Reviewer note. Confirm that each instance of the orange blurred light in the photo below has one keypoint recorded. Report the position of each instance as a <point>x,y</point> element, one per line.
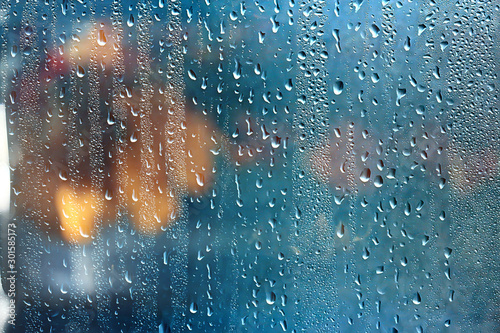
<point>76,214</point>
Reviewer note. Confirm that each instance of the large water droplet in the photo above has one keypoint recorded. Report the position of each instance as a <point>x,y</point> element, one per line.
<point>80,72</point>
<point>130,21</point>
<point>417,299</point>
<point>365,175</point>
<point>101,38</point>
<point>338,87</point>
<point>270,297</point>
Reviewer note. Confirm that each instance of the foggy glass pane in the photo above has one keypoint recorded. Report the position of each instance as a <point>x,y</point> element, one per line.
<point>253,166</point>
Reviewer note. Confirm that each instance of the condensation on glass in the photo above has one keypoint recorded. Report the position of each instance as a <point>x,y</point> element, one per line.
<point>253,166</point>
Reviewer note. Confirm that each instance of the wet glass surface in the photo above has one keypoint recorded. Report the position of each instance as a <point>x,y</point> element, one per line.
<point>218,166</point>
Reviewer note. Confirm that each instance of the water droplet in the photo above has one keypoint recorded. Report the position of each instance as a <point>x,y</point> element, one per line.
<point>447,252</point>
<point>84,233</point>
<point>130,21</point>
<point>200,179</point>
<point>374,30</point>
<point>13,51</point>
<point>366,253</point>
<point>28,30</point>
<point>275,142</point>
<point>417,299</point>
<point>128,277</point>
<point>237,70</point>
<point>341,231</point>
<point>134,137</point>
<point>80,72</point>
<point>270,297</point>
<point>407,44</point>
<point>12,97</point>
<point>393,202</point>
<point>101,38</point>
<point>298,213</point>
<point>108,195</point>
<point>192,75</point>
<point>407,210</point>
<point>365,175</point>
<point>262,36</point>
<point>110,120</point>
<point>63,175</point>
<point>451,295</point>
<point>64,288</point>
<point>338,87</point>
<point>443,45</point>
<point>233,16</point>
<point>421,29</point>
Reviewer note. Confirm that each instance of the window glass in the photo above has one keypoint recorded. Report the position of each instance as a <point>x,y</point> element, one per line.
<point>253,166</point>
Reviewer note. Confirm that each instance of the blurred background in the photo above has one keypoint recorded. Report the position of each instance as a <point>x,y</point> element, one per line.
<point>256,166</point>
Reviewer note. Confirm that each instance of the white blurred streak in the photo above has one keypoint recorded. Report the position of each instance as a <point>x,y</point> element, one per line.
<point>4,164</point>
<point>4,309</point>
<point>4,198</point>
